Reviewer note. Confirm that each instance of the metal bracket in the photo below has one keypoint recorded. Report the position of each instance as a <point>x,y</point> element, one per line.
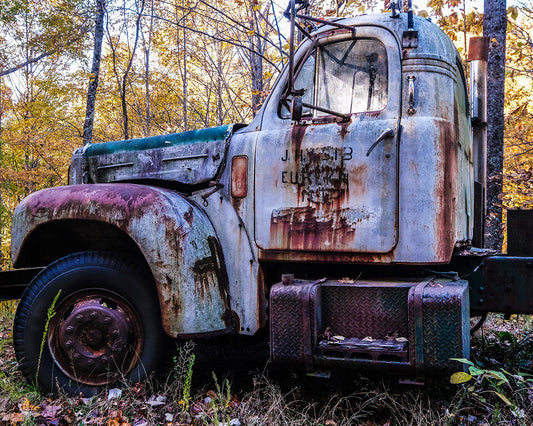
<point>410,39</point>
<point>416,302</point>
<point>411,106</point>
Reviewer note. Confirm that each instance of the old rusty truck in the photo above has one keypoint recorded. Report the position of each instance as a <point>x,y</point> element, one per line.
<point>346,219</point>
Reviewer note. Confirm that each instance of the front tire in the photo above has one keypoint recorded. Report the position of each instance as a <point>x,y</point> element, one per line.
<point>87,321</point>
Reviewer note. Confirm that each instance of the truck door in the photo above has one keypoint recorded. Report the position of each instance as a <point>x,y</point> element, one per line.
<point>323,183</point>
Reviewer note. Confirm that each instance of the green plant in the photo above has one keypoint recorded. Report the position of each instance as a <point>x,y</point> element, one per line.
<point>49,315</point>
<point>186,395</point>
<point>485,384</point>
<point>7,311</point>
<point>183,364</point>
<point>220,404</point>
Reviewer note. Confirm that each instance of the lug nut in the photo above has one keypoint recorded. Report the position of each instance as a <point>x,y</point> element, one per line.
<point>70,329</point>
<point>68,343</point>
<point>79,317</point>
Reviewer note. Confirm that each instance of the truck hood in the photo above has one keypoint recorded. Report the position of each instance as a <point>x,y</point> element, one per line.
<point>189,158</point>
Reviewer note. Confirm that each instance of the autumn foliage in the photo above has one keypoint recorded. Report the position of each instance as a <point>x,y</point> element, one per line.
<point>174,65</point>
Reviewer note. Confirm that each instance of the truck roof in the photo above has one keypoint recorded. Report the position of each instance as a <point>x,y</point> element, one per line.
<point>433,43</point>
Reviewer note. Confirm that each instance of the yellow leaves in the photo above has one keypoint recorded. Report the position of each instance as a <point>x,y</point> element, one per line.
<point>27,410</point>
<point>28,406</point>
<point>460,377</point>
<point>504,398</point>
<point>513,12</point>
<point>117,421</point>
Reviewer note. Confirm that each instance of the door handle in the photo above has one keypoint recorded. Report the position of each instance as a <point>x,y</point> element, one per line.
<point>387,133</point>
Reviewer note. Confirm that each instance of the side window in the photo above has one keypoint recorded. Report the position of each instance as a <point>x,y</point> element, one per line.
<point>306,80</point>
<point>346,77</point>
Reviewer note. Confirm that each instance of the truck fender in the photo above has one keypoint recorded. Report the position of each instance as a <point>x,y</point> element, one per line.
<point>174,235</point>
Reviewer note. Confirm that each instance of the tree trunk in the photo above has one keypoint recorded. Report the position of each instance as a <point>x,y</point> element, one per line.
<point>95,72</point>
<point>256,62</point>
<point>220,118</point>
<point>184,74</point>
<point>495,27</point>
<point>147,49</point>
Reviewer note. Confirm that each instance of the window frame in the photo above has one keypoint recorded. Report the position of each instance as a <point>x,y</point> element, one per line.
<point>312,50</point>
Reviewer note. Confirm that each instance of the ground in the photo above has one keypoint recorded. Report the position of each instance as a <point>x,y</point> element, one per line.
<point>229,381</point>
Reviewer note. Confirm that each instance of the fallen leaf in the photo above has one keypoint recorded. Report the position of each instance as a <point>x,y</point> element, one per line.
<point>13,417</point>
<point>460,377</point>
<point>155,401</point>
<point>50,411</point>
<point>28,406</point>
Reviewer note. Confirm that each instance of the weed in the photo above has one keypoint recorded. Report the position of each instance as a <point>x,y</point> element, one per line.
<point>183,364</point>
<point>187,382</point>
<point>49,315</point>
<point>8,308</point>
<point>220,402</point>
<point>483,385</point>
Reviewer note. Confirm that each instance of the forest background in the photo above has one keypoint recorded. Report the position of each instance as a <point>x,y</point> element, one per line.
<point>150,67</point>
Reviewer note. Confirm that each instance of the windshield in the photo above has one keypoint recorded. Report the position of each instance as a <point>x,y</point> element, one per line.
<point>348,77</point>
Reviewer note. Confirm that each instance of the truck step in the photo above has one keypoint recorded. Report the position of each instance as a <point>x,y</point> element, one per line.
<point>370,350</point>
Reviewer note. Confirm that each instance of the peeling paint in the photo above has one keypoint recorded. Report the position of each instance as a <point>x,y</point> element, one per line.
<point>175,237</point>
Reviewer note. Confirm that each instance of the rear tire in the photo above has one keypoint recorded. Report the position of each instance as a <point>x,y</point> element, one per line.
<point>104,326</point>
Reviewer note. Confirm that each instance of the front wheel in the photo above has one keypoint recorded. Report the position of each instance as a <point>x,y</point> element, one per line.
<point>88,321</point>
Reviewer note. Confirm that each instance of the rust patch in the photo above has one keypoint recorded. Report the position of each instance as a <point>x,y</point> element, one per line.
<point>478,49</point>
<point>343,128</point>
<point>236,202</point>
<point>446,191</point>
<point>220,270</point>
<point>371,114</point>
<point>232,320</point>
<point>307,228</point>
<point>323,257</point>
<point>321,177</point>
<point>297,136</point>
<point>189,216</point>
<point>204,276</point>
<point>210,275</point>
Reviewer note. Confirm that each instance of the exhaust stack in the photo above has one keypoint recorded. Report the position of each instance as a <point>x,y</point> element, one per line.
<point>478,56</point>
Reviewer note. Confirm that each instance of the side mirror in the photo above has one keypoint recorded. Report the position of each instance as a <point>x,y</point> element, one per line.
<point>296,108</point>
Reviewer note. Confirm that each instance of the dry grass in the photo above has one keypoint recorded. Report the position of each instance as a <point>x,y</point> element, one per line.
<point>190,393</point>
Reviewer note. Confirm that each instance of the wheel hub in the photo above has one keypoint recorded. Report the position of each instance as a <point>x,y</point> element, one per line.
<point>94,339</point>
